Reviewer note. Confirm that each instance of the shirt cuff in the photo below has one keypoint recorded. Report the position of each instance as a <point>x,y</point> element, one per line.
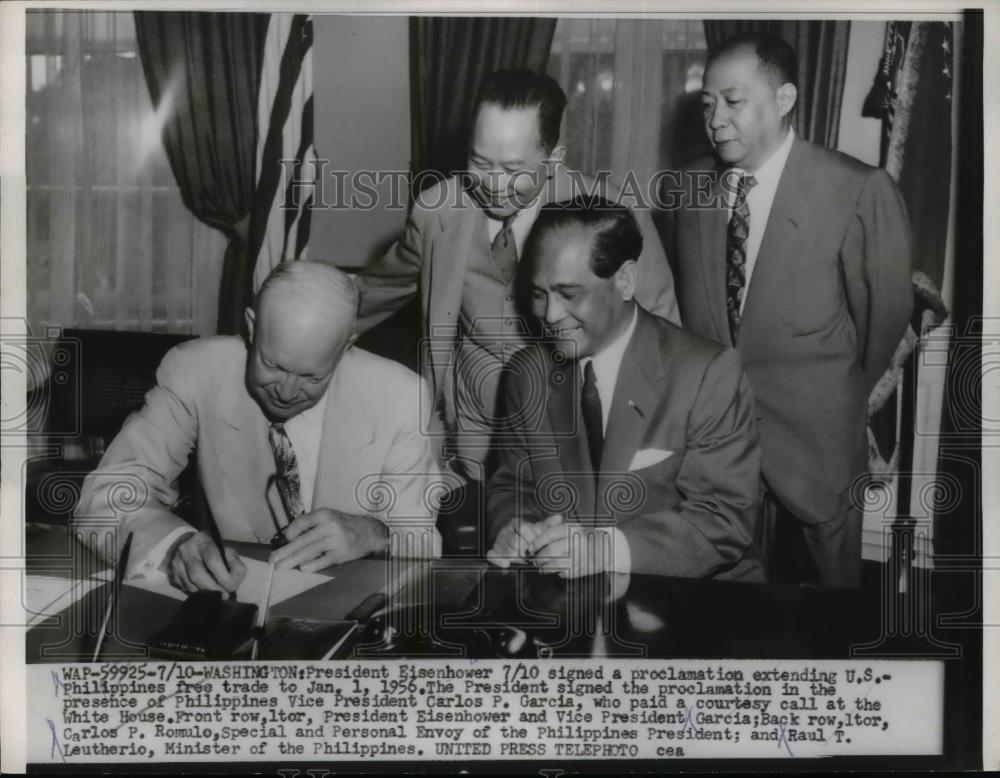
<point>150,566</point>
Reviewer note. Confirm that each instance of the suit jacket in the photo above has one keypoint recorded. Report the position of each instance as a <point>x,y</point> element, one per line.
<point>829,298</point>
<point>691,513</point>
<point>372,448</point>
<point>444,227</point>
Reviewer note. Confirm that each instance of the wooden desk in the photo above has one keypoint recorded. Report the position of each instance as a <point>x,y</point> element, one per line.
<point>465,607</point>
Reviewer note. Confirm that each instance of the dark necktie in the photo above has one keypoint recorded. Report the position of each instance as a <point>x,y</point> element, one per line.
<point>736,254</point>
<point>504,250</point>
<point>593,418</point>
<point>287,475</point>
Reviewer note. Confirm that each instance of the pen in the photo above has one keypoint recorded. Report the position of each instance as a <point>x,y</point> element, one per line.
<point>113,595</point>
<point>213,532</point>
<point>262,613</point>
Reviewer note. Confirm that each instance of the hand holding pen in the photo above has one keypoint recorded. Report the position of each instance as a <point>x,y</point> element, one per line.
<point>199,561</point>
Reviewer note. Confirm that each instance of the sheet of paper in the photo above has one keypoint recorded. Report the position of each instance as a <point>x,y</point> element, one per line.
<point>46,595</point>
<point>286,583</point>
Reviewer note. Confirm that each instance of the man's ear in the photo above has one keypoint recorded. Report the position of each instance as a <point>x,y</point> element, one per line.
<point>626,278</point>
<point>555,157</point>
<point>250,318</point>
<point>787,95</point>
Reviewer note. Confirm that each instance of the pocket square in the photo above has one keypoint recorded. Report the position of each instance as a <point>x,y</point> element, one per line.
<point>648,457</point>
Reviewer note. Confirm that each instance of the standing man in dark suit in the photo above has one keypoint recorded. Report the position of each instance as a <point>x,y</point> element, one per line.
<point>460,251</point>
<point>803,263</point>
<point>632,445</point>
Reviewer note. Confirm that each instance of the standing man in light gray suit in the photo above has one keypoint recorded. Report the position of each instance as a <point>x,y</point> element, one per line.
<point>802,262</point>
<point>460,250</point>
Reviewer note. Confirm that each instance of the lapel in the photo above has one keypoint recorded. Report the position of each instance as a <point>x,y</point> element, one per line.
<point>635,401</point>
<point>793,203</point>
<point>460,227</point>
<point>712,224</point>
<point>248,462</point>
<point>445,274</point>
<point>570,435</point>
<point>346,430</point>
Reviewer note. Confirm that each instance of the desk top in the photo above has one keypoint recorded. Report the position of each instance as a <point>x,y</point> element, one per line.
<point>465,607</point>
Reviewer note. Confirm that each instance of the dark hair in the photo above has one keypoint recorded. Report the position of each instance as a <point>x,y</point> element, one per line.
<point>776,56</point>
<point>614,234</point>
<point>518,89</point>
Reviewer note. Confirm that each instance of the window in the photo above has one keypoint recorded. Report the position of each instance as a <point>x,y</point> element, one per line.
<point>110,243</point>
<point>633,88</point>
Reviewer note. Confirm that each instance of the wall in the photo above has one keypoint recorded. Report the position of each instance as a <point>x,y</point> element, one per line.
<point>362,104</point>
<point>859,136</point>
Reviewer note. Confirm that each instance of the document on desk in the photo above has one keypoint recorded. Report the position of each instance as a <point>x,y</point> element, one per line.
<point>286,583</point>
<point>45,595</point>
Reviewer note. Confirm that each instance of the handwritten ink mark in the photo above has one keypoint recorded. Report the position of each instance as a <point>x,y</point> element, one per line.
<point>783,738</point>
<point>55,742</point>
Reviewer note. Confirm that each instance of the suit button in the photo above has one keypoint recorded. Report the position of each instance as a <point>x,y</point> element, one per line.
<point>508,298</point>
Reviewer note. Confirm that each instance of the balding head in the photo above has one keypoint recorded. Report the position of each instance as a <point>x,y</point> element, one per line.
<point>300,325</point>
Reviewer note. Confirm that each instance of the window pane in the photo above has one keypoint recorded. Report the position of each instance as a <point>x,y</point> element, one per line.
<point>102,202</point>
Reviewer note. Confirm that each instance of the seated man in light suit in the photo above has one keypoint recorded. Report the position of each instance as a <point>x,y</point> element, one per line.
<point>636,448</point>
<point>296,433</point>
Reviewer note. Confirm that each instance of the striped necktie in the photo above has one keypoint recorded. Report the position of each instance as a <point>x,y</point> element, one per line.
<point>503,250</point>
<point>287,475</point>
<point>736,254</point>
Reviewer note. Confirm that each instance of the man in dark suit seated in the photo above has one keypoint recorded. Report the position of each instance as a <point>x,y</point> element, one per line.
<point>634,447</point>
<point>803,265</point>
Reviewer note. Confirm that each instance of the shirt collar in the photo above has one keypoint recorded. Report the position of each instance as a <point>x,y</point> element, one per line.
<point>767,175</point>
<point>609,359</point>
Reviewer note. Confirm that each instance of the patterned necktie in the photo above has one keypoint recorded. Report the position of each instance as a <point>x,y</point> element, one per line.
<point>287,476</point>
<point>736,254</point>
<point>593,417</point>
<point>504,250</point>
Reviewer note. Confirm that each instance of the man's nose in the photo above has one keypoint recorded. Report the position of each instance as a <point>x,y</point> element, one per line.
<point>554,311</point>
<point>288,388</point>
<point>497,181</point>
<point>719,117</point>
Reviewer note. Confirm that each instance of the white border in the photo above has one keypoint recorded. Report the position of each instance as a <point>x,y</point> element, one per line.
<point>12,273</point>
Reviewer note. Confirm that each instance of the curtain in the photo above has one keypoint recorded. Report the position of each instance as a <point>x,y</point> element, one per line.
<point>822,50</point>
<point>203,73</point>
<point>450,58</point>
<point>912,95</point>
<point>110,244</point>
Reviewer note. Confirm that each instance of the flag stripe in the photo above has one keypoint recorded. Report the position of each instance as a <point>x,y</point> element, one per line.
<point>285,122</point>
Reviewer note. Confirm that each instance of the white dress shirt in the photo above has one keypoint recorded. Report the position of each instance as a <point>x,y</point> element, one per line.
<point>305,431</point>
<point>607,364</point>
<point>759,200</point>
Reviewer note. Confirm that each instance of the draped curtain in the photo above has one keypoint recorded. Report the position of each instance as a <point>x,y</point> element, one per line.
<point>822,51</point>
<point>450,58</point>
<point>912,96</point>
<point>203,73</point>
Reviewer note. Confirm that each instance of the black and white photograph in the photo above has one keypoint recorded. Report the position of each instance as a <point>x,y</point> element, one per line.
<point>534,388</point>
